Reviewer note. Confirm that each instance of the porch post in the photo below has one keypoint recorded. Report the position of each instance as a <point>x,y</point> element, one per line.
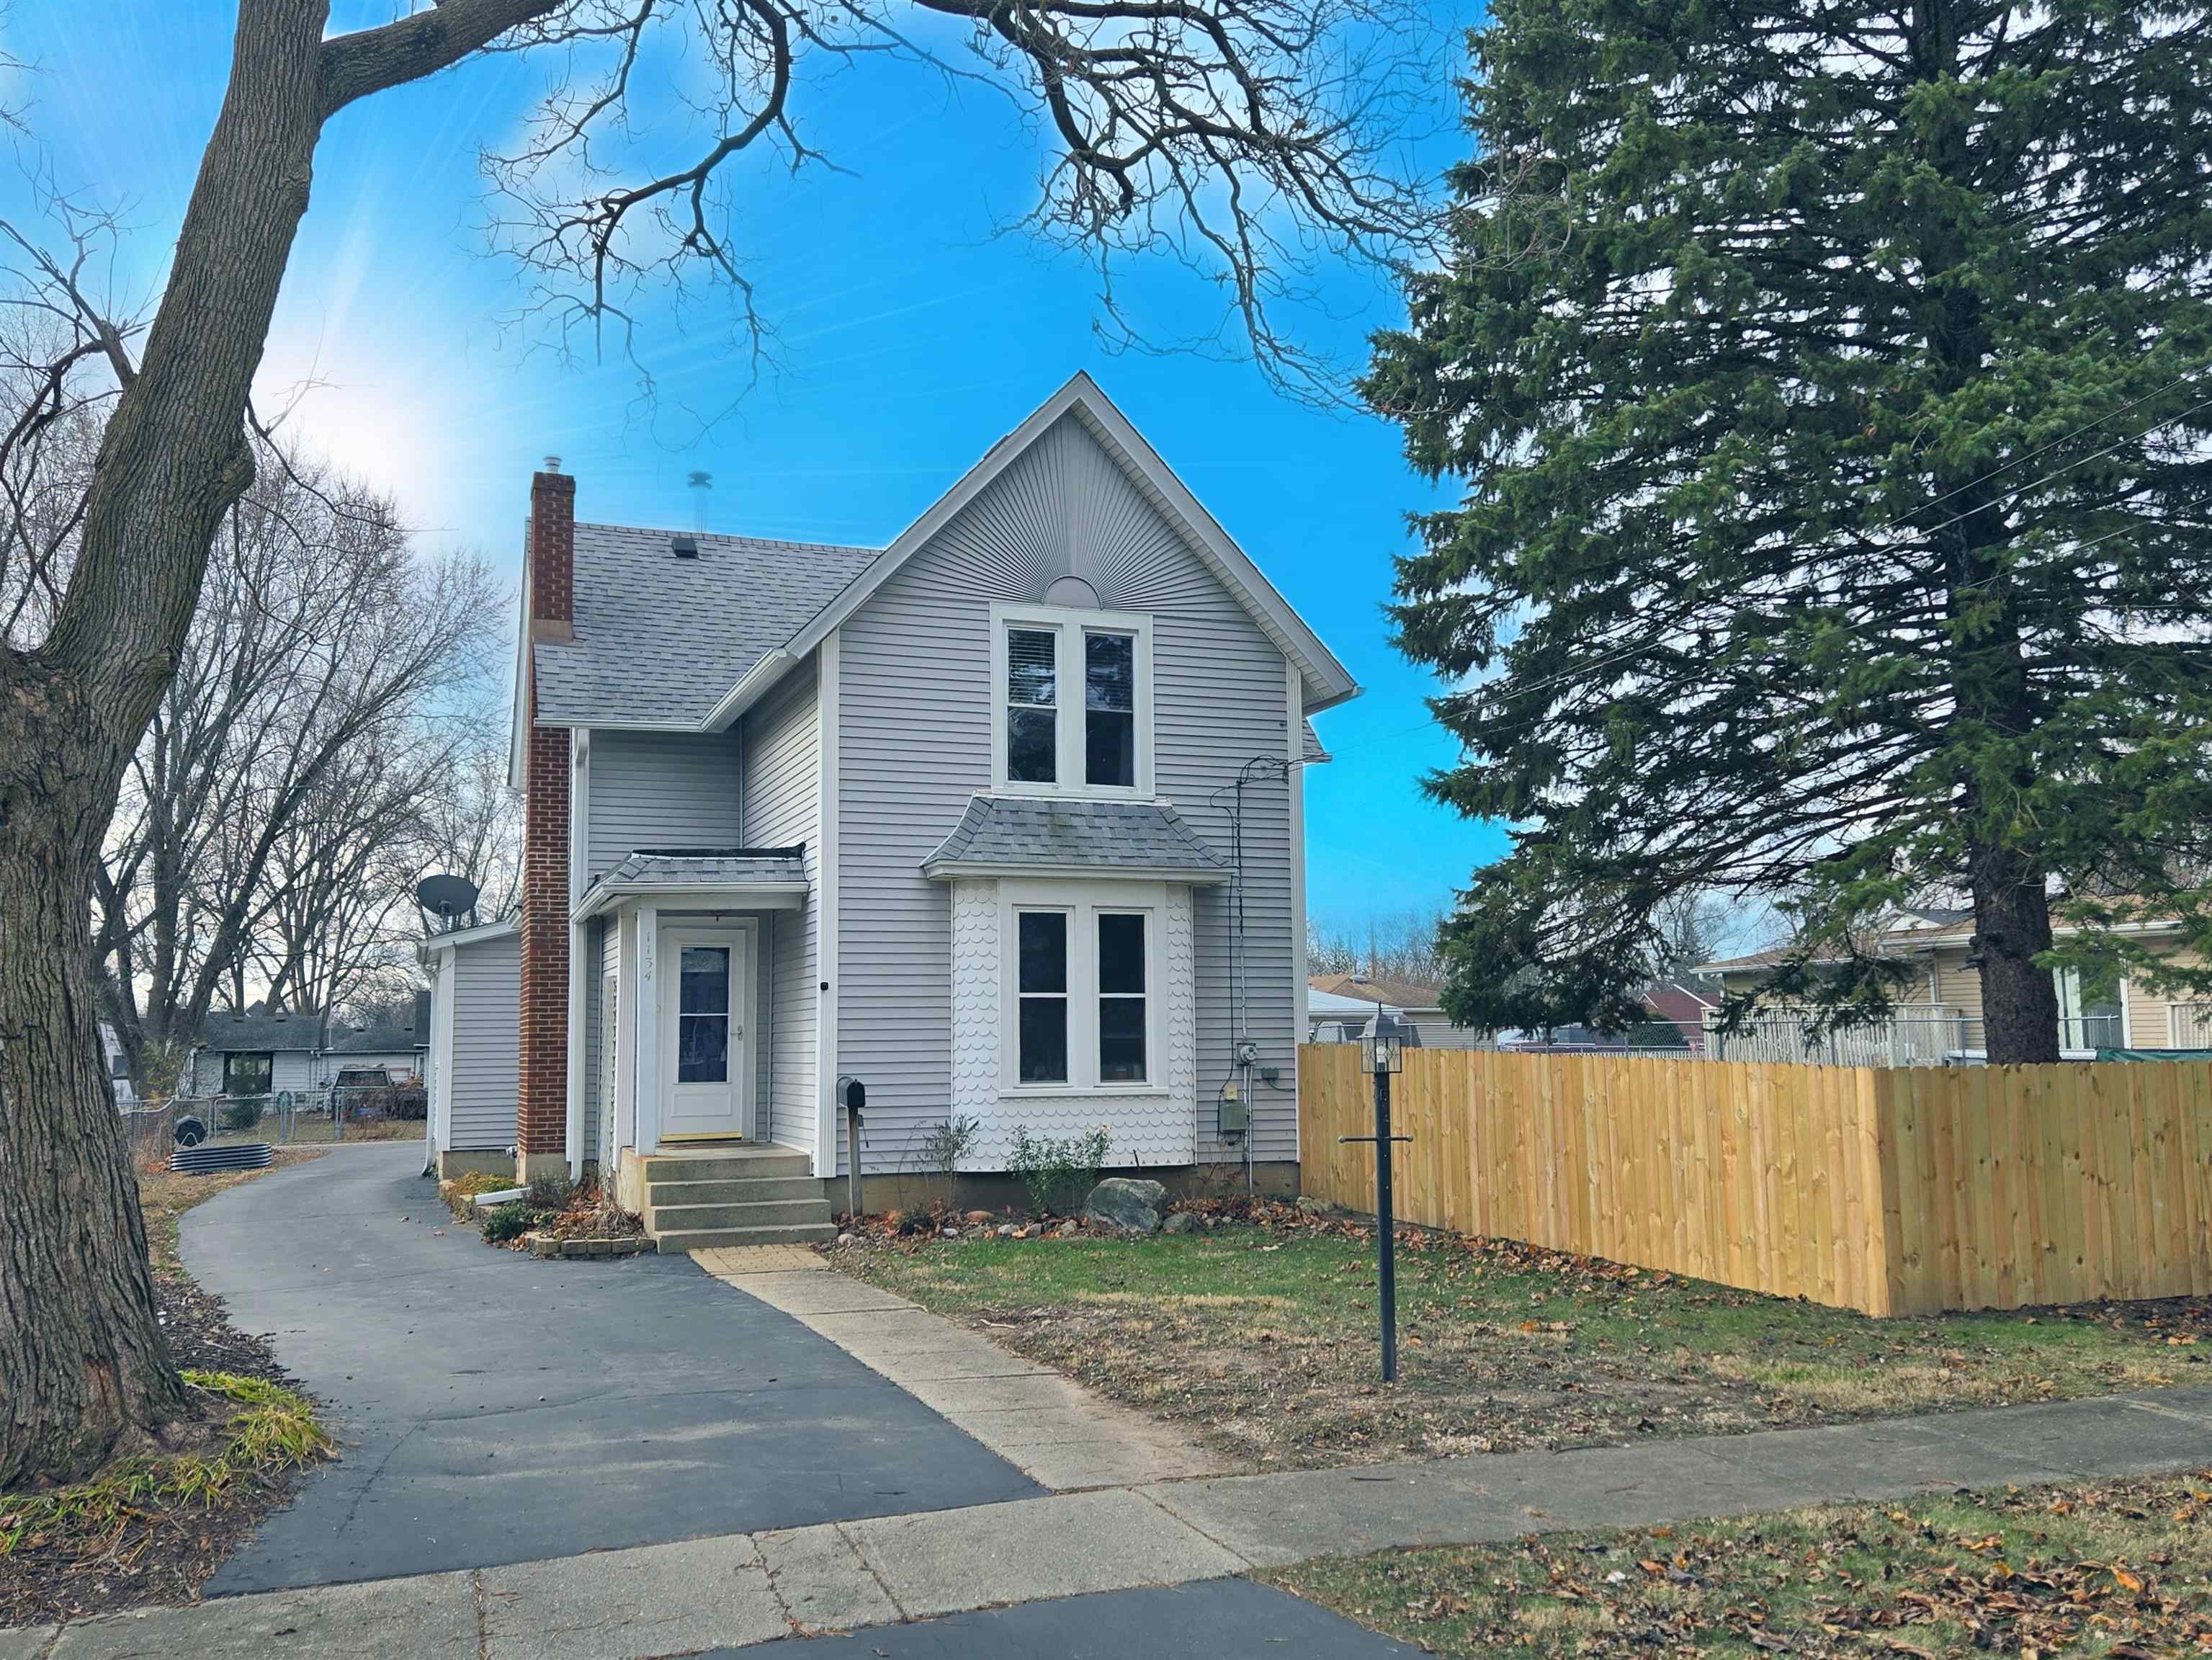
<point>649,1028</point>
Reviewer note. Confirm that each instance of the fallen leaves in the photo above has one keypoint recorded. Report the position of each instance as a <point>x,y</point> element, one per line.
<point>2113,1569</point>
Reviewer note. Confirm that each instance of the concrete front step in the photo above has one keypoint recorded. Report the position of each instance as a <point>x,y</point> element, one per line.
<point>776,1213</point>
<point>804,1233</point>
<point>753,1191</point>
<point>747,1164</point>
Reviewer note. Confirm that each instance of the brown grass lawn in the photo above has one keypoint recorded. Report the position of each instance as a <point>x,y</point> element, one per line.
<point>2119,1569</point>
<point>1263,1338</point>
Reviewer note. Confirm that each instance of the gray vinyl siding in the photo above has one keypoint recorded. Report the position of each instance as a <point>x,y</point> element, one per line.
<point>595,933</point>
<point>486,1073</point>
<point>914,736</point>
<point>661,789</point>
<point>782,784</point>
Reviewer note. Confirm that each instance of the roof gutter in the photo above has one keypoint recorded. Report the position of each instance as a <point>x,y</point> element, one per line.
<point>771,668</point>
<point>758,896</point>
<point>1197,876</point>
<point>427,949</point>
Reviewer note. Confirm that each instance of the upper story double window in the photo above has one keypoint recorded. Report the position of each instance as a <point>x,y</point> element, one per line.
<point>1072,702</point>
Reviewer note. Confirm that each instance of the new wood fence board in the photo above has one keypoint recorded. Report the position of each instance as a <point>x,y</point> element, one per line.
<point>1895,1191</point>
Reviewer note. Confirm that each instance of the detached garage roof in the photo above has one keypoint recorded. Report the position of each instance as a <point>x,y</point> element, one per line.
<point>1005,836</point>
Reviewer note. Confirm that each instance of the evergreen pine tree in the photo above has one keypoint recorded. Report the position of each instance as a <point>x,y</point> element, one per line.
<point>1832,388</point>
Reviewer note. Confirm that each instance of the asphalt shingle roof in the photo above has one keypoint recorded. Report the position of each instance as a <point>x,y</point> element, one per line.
<point>1112,836</point>
<point>1381,988</point>
<point>371,1040</point>
<point>661,640</point>
<point>256,1030</point>
<point>705,868</point>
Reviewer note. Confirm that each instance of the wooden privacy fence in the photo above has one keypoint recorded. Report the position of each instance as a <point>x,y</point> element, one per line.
<point>1892,1191</point>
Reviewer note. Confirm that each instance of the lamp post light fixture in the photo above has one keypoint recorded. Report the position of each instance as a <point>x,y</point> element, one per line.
<point>1382,1053</point>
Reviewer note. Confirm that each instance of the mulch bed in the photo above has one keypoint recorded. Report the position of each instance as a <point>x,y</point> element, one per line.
<point>164,1553</point>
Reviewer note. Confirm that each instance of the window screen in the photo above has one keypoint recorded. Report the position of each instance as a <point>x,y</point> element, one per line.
<point>1032,705</point>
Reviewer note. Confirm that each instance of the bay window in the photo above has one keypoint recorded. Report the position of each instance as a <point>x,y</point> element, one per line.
<point>1042,980</point>
<point>1071,702</point>
<point>1080,975</point>
<point>1121,997</point>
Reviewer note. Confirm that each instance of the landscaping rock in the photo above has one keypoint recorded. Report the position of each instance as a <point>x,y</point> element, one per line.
<point>1007,1230</point>
<point>1127,1203</point>
<point>1310,1207</point>
<point>1068,1230</point>
<point>1181,1222</point>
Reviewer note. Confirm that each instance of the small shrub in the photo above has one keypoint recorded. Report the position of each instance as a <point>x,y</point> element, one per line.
<point>1058,1172</point>
<point>244,1114</point>
<point>405,1103</point>
<point>553,1193</point>
<point>946,1145</point>
<point>504,1224</point>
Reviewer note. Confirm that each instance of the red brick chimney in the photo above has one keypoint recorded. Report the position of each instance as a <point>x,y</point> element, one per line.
<point>542,1104</point>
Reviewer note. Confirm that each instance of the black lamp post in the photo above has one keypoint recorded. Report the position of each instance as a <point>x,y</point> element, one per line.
<point>1383,1051</point>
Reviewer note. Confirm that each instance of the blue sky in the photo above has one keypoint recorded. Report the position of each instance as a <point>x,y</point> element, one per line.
<point>913,332</point>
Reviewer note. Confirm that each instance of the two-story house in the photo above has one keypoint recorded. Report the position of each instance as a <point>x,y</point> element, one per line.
<point>1004,819</point>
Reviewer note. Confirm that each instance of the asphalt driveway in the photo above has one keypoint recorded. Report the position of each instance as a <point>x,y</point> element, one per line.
<point>494,1408</point>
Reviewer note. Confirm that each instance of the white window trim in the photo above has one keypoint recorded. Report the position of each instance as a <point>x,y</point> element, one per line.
<point>1069,626</point>
<point>1081,902</point>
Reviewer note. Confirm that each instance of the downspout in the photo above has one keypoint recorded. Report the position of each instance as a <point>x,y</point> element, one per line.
<point>580,819</point>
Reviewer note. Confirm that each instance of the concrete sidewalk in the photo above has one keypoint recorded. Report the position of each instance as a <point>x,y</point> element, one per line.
<point>1055,1431</point>
<point>737,1591</point>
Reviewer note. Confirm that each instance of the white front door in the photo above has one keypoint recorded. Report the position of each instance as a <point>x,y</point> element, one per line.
<point>706,989</point>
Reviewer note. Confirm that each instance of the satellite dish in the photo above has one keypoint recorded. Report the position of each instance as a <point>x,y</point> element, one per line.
<point>446,896</point>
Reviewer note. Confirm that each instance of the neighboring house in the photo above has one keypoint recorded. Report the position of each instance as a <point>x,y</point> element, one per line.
<point>119,1068</point>
<point>1939,1017</point>
<point>473,1067</point>
<point>953,816</point>
<point>1419,1002</point>
<point>1331,1019</point>
<point>262,1051</point>
<point>1338,1005</point>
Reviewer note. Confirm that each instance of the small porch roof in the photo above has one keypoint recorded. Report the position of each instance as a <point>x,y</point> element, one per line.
<point>1011,835</point>
<point>754,878</point>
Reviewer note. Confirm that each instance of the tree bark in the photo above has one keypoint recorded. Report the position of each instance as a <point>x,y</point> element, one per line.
<point>1994,703</point>
<point>82,1355</point>
<point>82,1362</point>
<point>2019,1000</point>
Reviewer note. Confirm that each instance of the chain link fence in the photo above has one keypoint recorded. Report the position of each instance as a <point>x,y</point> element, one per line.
<point>381,1111</point>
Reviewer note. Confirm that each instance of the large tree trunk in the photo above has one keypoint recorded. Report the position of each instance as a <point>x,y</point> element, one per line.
<point>2005,870</point>
<point>2019,1002</point>
<point>80,1352</point>
<point>82,1365</point>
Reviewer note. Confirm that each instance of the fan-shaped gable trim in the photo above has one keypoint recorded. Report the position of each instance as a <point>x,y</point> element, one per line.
<point>1326,681</point>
